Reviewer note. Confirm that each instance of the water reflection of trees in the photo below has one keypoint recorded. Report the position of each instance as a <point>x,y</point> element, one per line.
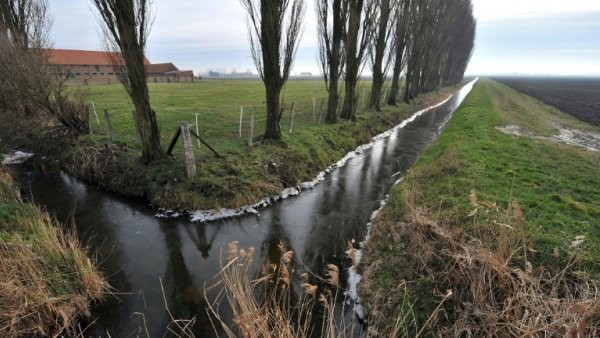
<point>184,296</point>
<point>202,242</point>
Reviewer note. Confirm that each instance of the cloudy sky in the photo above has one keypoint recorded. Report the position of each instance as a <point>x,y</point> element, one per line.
<point>513,36</point>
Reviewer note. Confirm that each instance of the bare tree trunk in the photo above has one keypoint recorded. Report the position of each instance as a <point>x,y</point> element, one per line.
<point>400,45</point>
<point>274,24</point>
<point>360,24</point>
<point>397,71</point>
<point>380,49</point>
<point>339,18</point>
<point>273,131</point>
<point>126,28</point>
<point>330,50</point>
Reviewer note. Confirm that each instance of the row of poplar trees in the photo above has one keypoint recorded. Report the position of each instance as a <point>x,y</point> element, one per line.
<point>426,43</point>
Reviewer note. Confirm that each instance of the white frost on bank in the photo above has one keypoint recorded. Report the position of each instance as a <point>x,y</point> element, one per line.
<point>16,157</point>
<point>219,214</point>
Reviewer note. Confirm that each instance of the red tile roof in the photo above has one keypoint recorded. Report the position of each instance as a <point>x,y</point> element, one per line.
<point>83,57</point>
<point>159,68</point>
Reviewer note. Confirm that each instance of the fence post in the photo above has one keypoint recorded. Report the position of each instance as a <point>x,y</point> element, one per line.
<point>364,104</point>
<point>241,117</point>
<point>95,113</point>
<point>251,136</point>
<point>111,131</point>
<point>188,151</point>
<point>197,131</point>
<point>385,97</point>
<point>320,112</point>
<point>292,119</point>
<point>314,109</point>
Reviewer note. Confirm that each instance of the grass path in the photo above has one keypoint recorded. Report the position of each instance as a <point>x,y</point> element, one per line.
<point>528,201</point>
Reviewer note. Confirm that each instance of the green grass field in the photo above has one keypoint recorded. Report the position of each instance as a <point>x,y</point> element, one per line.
<point>217,104</point>
<point>548,189</point>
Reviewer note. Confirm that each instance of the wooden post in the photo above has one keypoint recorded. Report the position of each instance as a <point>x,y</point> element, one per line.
<point>111,131</point>
<point>320,112</point>
<point>188,151</point>
<point>174,141</point>
<point>241,117</point>
<point>292,119</point>
<point>205,143</point>
<point>314,110</point>
<point>385,96</point>
<point>251,136</point>
<point>197,131</point>
<point>364,104</point>
<point>95,113</point>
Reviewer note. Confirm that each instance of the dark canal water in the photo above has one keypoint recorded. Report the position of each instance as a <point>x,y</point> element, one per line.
<point>137,251</point>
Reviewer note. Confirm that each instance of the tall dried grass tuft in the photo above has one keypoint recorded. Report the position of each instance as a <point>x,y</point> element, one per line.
<point>495,288</point>
<point>267,305</point>
<point>46,279</point>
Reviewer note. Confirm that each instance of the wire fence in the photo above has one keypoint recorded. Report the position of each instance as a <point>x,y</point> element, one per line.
<point>225,127</point>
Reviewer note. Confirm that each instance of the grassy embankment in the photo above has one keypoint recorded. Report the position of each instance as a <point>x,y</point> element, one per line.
<point>244,174</point>
<point>46,279</point>
<point>494,218</point>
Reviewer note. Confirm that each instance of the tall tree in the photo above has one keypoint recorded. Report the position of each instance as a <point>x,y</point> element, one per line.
<point>380,49</point>
<point>359,30</point>
<point>401,38</point>
<point>331,49</point>
<point>126,25</point>
<point>274,28</point>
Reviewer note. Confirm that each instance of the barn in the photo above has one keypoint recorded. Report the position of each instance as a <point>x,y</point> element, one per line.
<point>85,67</point>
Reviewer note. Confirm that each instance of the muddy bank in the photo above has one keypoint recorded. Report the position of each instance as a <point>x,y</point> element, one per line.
<point>586,139</point>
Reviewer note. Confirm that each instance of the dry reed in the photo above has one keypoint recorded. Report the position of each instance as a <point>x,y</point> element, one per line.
<point>46,279</point>
<point>495,289</point>
<point>266,305</point>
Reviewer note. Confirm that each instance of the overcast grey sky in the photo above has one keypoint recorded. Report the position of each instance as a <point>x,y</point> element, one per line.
<point>513,36</point>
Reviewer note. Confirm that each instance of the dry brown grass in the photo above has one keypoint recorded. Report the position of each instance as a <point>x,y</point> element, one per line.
<point>266,305</point>
<point>46,279</point>
<point>491,284</point>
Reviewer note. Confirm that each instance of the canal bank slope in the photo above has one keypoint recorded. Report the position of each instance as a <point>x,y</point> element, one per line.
<point>491,233</point>
<point>46,279</point>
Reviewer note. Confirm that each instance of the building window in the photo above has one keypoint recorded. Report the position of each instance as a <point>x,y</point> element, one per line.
<point>94,73</point>
<point>97,69</point>
<point>87,73</point>
<point>111,74</point>
<point>101,73</point>
<point>77,74</point>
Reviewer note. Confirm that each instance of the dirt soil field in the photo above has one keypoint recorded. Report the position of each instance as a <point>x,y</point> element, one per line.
<point>579,97</point>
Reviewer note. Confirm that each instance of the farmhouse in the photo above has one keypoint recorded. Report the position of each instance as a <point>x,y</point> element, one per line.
<point>84,67</point>
<point>167,72</point>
